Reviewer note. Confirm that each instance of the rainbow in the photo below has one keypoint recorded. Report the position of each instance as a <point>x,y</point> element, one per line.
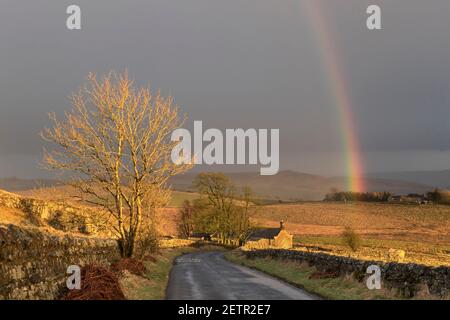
<point>341,93</point>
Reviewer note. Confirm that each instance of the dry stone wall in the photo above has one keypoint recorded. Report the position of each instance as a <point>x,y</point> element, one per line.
<point>33,264</point>
<point>408,279</point>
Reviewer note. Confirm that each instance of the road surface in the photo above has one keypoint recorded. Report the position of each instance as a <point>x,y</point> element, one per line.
<point>208,276</point>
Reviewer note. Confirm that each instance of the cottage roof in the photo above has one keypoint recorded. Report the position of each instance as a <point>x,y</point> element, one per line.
<point>267,233</point>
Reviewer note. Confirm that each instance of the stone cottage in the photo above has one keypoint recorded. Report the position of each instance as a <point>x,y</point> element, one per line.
<point>270,238</point>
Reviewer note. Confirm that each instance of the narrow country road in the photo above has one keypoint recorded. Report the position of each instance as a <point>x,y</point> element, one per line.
<point>208,276</point>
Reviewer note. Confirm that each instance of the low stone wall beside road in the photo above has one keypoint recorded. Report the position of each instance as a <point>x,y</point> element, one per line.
<point>407,278</point>
<point>33,264</point>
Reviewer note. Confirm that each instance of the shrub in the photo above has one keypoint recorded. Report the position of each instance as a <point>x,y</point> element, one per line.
<point>351,239</point>
<point>147,241</point>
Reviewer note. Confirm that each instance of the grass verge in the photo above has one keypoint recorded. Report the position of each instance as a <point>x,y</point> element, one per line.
<point>153,285</point>
<point>299,274</point>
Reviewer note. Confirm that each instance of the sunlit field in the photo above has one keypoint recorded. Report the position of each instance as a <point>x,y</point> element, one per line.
<point>423,231</point>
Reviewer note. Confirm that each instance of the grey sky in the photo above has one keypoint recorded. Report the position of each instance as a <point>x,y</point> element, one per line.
<point>240,63</point>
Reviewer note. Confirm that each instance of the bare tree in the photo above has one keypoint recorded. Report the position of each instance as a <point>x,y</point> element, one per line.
<point>186,225</point>
<point>115,143</point>
<point>244,216</point>
<point>230,210</point>
<point>220,193</point>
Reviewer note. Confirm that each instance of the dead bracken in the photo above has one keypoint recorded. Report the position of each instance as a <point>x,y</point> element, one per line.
<point>97,283</point>
<point>133,265</point>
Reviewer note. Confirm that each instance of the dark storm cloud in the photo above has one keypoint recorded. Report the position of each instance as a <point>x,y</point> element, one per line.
<point>251,63</point>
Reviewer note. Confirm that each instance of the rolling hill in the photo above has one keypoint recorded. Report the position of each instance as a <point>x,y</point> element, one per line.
<point>292,185</point>
<point>438,179</point>
<point>286,185</point>
<point>16,184</point>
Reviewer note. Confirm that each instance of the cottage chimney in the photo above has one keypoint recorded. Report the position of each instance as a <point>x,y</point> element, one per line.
<point>281,224</point>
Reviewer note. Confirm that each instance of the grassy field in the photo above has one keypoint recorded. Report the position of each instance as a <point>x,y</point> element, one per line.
<point>426,253</point>
<point>178,197</point>
<point>380,220</point>
<point>298,274</point>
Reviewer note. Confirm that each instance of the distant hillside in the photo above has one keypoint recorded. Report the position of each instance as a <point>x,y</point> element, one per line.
<point>286,185</point>
<point>17,184</point>
<point>292,185</point>
<point>437,179</point>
